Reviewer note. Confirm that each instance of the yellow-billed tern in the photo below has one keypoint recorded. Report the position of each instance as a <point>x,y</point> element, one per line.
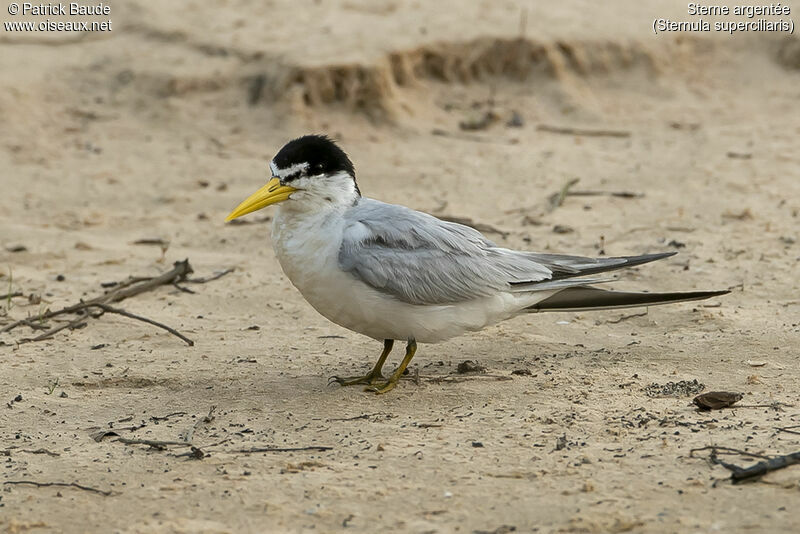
<point>393,273</point>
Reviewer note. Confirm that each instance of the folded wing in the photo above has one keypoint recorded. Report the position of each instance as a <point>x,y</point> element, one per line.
<point>420,259</point>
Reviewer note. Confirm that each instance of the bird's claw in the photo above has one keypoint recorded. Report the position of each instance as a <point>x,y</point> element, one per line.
<point>380,389</point>
<point>370,379</point>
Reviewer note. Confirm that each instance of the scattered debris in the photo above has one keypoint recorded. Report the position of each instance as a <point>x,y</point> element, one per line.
<point>755,471</point>
<point>468,366</point>
<point>205,279</point>
<point>557,199</point>
<point>582,131</point>
<point>502,529</point>
<point>10,403</point>
<point>739,216</point>
<point>16,248</point>
<point>689,126</point>
<point>562,229</point>
<point>683,388</point>
<point>478,121</point>
<point>676,244</point>
<point>618,194</point>
<point>739,155</point>
<point>623,318</point>
<point>473,137</point>
<point>207,419</point>
<point>522,372</point>
<point>454,379</point>
<point>250,220</point>
<point>255,88</point>
<point>61,485</point>
<point>41,451</point>
<point>516,120</point>
<point>278,449</point>
<point>716,400</point>
<point>99,434</point>
<point>95,308</point>
<point>152,241</point>
<point>362,416</point>
<point>756,363</point>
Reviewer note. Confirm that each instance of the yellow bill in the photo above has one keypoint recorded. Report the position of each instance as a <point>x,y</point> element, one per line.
<point>271,193</point>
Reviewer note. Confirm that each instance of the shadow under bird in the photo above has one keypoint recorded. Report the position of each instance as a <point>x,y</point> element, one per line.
<point>393,273</point>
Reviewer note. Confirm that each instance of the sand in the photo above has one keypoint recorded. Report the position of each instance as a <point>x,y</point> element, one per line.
<point>157,129</point>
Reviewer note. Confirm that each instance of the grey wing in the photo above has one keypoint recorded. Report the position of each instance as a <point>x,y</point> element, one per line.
<point>420,259</point>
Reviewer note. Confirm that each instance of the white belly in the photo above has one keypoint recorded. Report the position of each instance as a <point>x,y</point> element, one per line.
<point>308,249</point>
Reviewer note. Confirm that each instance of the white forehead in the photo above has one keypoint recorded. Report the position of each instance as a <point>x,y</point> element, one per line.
<point>288,171</point>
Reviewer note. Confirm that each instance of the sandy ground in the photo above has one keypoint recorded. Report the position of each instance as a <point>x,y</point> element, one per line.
<point>160,127</point>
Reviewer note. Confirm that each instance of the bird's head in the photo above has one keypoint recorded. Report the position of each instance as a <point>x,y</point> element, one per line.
<point>307,173</point>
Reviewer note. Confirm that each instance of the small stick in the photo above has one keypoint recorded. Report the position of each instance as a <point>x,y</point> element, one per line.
<point>557,199</point>
<point>362,416</point>
<point>156,444</point>
<point>183,289</point>
<point>207,419</point>
<point>156,418</point>
<point>762,468</point>
<point>469,137</point>
<point>11,295</point>
<point>620,194</point>
<point>729,450</point>
<point>455,379</point>
<point>742,474</point>
<point>626,317</point>
<point>582,131</point>
<point>41,451</point>
<point>60,484</point>
<point>179,272</point>
<point>279,449</point>
<point>119,311</point>
<point>215,276</point>
<point>774,406</point>
<point>78,322</point>
<point>33,323</point>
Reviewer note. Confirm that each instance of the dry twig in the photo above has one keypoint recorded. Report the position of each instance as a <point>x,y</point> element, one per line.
<point>279,449</point>
<point>207,419</point>
<point>60,484</point>
<point>121,291</point>
<point>582,131</point>
<point>755,471</point>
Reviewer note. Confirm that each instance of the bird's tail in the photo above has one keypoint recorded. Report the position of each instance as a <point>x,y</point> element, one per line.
<point>592,298</point>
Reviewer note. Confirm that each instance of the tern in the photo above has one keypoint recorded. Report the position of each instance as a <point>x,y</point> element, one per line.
<point>392,273</point>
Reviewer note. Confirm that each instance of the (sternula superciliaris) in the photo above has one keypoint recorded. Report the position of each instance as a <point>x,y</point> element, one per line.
<point>393,273</point>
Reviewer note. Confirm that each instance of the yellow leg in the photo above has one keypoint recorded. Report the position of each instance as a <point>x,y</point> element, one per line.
<point>389,385</point>
<point>373,376</point>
